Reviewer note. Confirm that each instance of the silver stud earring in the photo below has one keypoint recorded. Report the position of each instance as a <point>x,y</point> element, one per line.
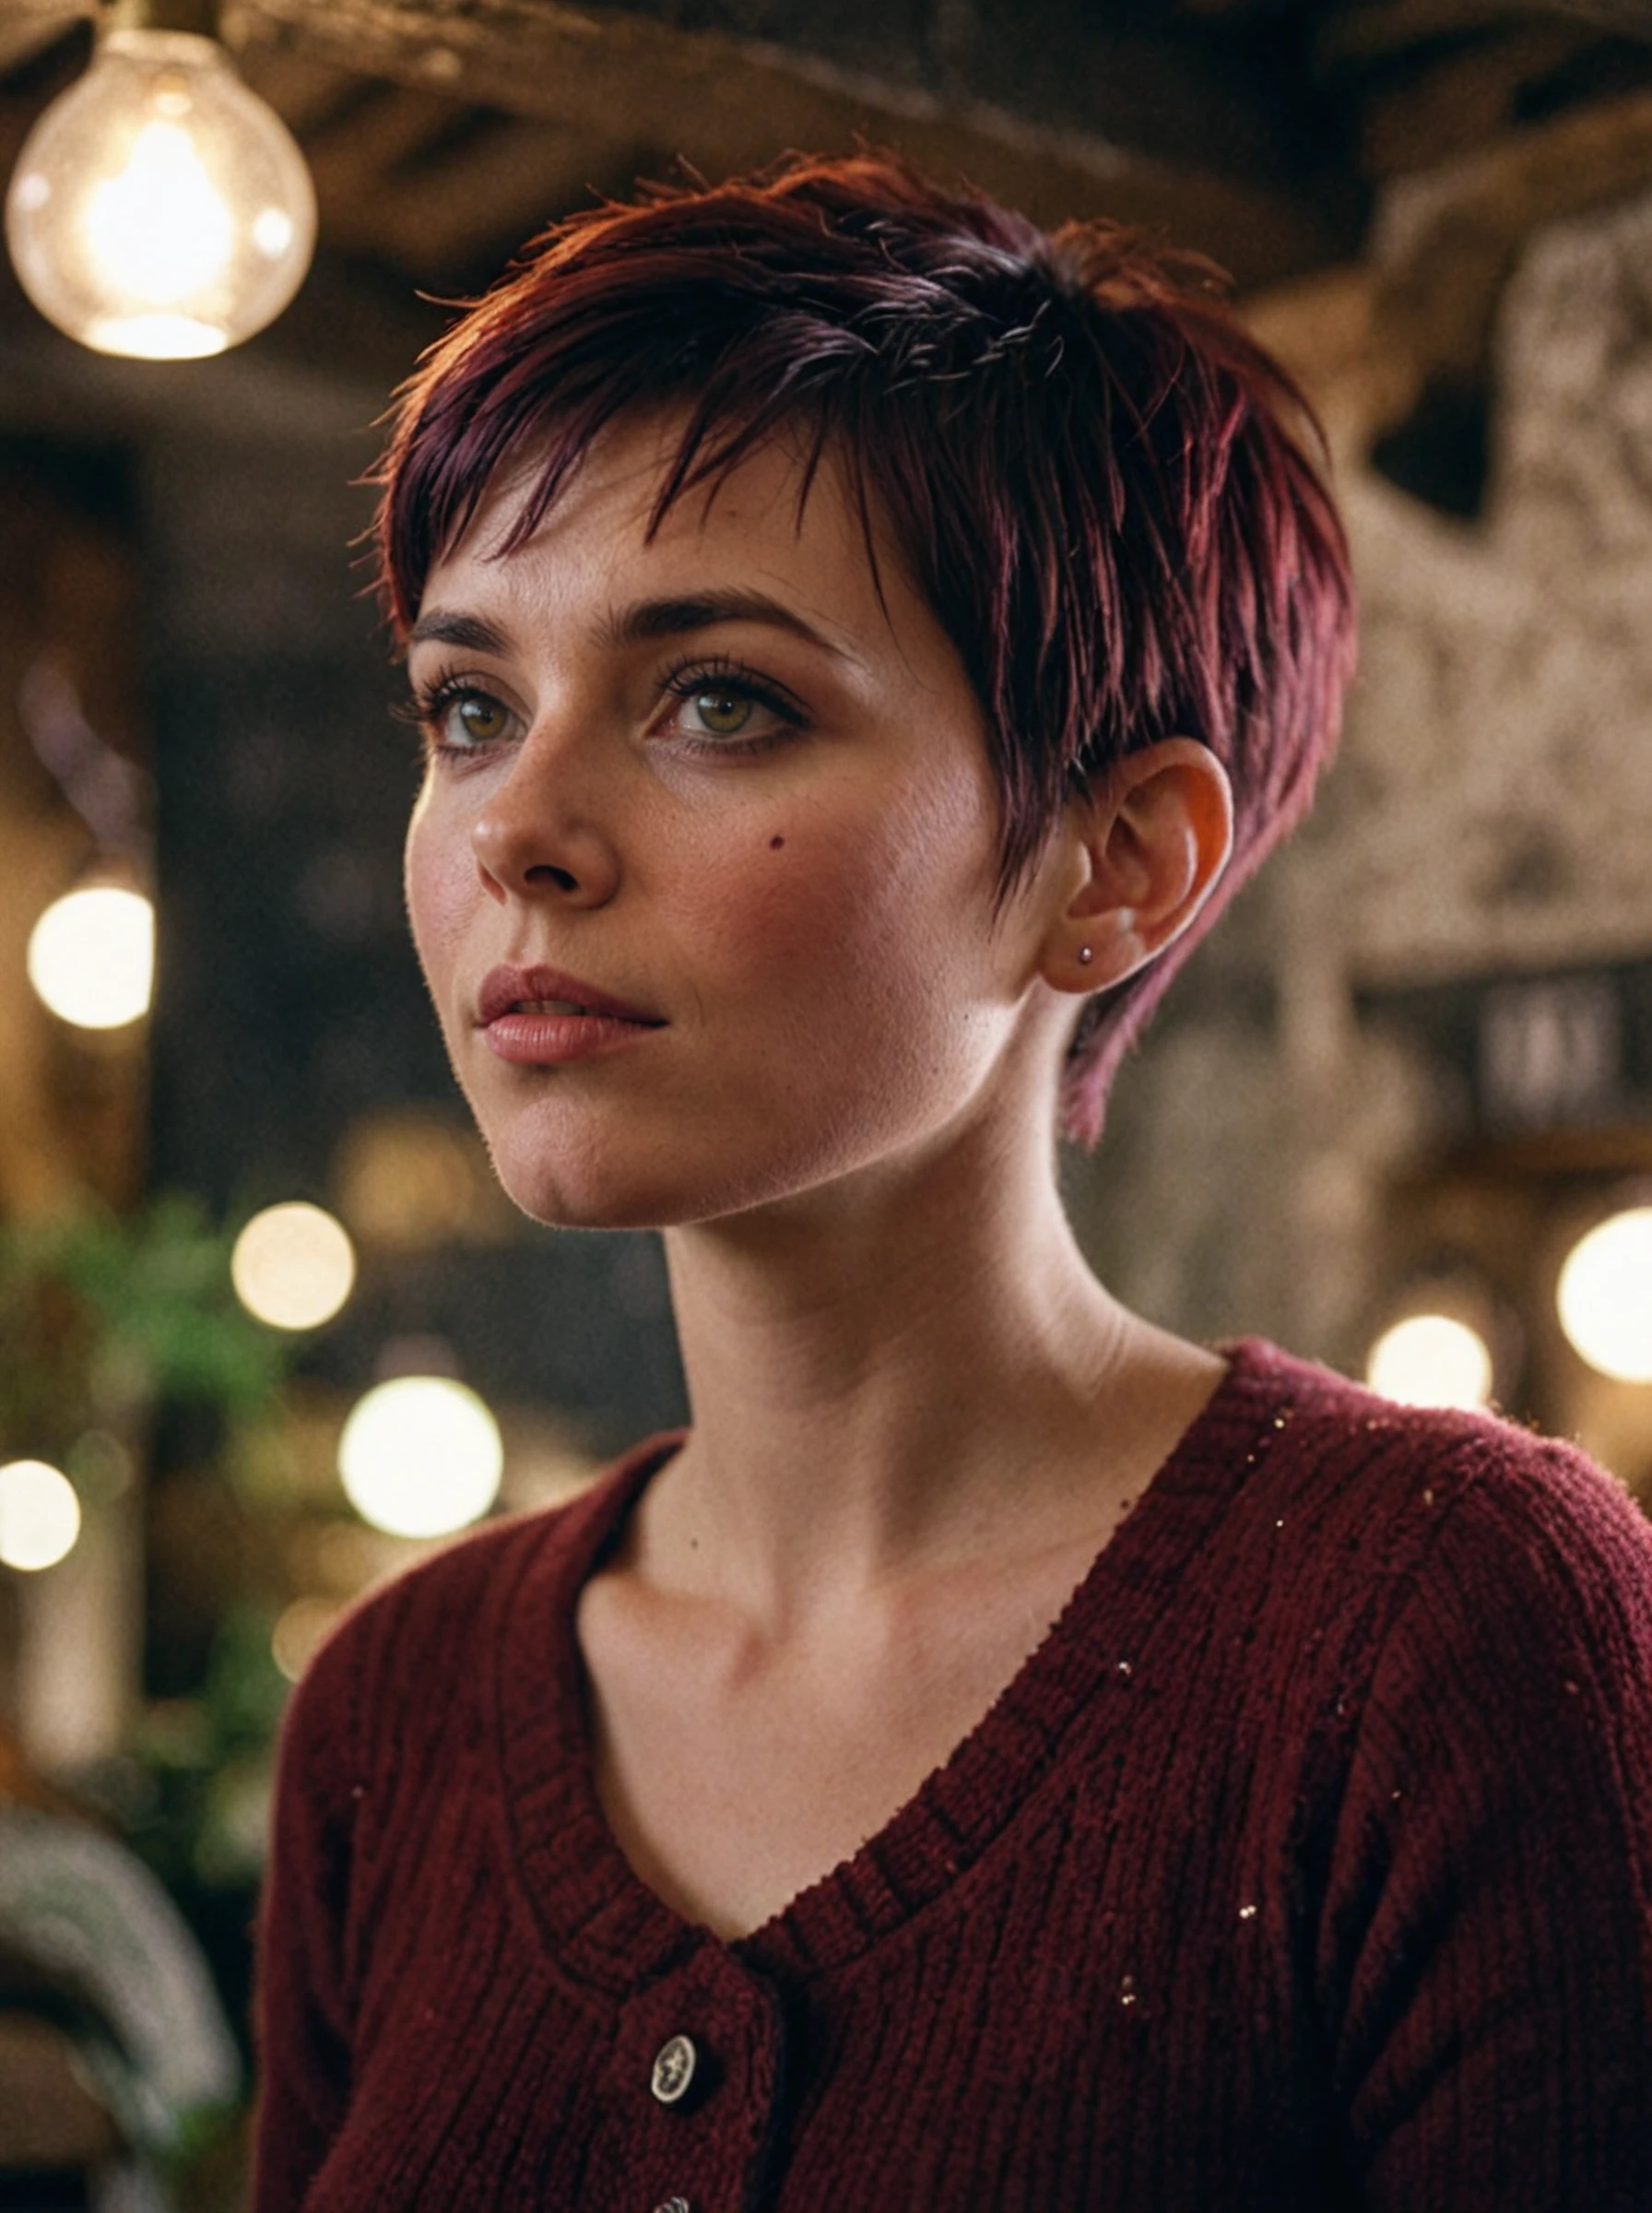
<point>1085,956</point>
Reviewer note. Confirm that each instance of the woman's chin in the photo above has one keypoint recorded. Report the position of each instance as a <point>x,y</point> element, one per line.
<point>563,1202</point>
<point>608,1192</point>
<point>571,1193</point>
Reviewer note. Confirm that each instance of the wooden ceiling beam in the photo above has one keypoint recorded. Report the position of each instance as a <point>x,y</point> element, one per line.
<point>29,27</point>
<point>305,92</point>
<point>356,149</point>
<point>460,214</point>
<point>1446,108</point>
<point>1370,33</point>
<point>1365,339</point>
<point>1446,243</point>
<point>729,104</point>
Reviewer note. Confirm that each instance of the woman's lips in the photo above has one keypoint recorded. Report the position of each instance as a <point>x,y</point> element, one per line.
<point>546,1040</point>
<point>542,1017</point>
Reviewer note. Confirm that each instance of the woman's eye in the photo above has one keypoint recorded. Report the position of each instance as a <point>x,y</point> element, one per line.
<point>466,721</point>
<point>725,713</point>
<point>738,712</point>
<point>478,719</point>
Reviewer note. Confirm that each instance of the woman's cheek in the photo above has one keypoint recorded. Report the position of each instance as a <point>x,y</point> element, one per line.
<point>440,879</point>
<point>788,905</point>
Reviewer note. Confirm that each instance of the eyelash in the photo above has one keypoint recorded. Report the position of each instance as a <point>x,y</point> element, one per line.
<point>428,706</point>
<point>426,710</point>
<point>689,676</point>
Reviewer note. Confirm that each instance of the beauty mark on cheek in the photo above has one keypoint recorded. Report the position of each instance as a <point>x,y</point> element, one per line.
<point>776,844</point>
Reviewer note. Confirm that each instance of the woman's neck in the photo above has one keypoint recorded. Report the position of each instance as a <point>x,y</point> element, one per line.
<point>897,1375</point>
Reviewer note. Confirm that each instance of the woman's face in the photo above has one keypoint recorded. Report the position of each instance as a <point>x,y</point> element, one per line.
<point>709,780</point>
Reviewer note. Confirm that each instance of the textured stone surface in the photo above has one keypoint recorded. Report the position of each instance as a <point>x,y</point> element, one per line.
<point>1492,804</point>
<point>1489,815</point>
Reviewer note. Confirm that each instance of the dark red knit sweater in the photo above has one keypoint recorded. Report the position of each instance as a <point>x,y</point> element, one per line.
<point>1307,1865</point>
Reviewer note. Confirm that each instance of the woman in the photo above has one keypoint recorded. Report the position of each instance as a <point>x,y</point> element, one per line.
<point>1002,1756</point>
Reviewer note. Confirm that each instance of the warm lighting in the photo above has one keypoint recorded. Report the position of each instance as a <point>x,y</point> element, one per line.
<point>158,208</point>
<point>91,957</point>
<point>1431,1360</point>
<point>1605,1297</point>
<point>40,1515</point>
<point>299,1632</point>
<point>411,1181</point>
<point>293,1266</point>
<point>420,1456</point>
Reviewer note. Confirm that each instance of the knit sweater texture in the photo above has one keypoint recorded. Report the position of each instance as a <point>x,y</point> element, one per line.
<point>1307,1863</point>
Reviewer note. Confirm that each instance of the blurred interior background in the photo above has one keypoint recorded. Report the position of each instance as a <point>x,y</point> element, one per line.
<point>1386,1107</point>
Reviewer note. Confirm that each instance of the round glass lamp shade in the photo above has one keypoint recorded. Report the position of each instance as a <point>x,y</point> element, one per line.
<point>158,208</point>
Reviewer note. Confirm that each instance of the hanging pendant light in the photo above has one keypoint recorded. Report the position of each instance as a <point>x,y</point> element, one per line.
<point>158,208</point>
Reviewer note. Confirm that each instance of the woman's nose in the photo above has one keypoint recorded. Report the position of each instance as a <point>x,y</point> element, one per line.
<point>541,832</point>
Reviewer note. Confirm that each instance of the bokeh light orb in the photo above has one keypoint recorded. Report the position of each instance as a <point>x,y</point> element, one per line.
<point>1431,1360</point>
<point>300,1632</point>
<point>91,957</point>
<point>420,1456</point>
<point>293,1266</point>
<point>1604,1296</point>
<point>40,1515</point>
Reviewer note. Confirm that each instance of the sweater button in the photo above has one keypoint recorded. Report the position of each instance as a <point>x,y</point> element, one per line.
<point>673,2065</point>
<point>674,2204</point>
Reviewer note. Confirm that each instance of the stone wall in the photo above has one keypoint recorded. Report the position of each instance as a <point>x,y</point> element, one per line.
<point>1488,817</point>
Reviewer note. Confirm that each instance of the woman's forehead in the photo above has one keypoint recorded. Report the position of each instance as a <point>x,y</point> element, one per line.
<point>632,460</point>
<point>786,515</point>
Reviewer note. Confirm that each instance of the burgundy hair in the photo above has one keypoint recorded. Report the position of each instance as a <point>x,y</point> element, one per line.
<point>1095,476</point>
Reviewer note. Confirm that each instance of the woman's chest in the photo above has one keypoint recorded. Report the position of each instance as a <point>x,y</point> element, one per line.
<point>1087,2019</point>
<point>734,1773</point>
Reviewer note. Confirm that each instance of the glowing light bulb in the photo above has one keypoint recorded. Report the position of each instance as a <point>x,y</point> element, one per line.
<point>1604,1296</point>
<point>420,1456</point>
<point>1431,1360</point>
<point>40,1515</point>
<point>293,1266</point>
<point>158,208</point>
<point>91,957</point>
<point>162,228</point>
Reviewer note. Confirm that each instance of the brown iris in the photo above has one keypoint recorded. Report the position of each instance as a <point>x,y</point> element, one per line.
<point>725,714</point>
<point>481,719</point>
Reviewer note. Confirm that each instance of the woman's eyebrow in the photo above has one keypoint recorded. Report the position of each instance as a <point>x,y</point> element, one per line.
<point>467,631</point>
<point>648,620</point>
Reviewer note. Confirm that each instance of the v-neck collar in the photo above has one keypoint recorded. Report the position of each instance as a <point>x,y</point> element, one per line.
<point>601,1923</point>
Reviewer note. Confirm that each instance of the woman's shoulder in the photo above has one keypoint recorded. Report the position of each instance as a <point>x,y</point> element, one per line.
<point>1443,1458</point>
<point>1452,1721</point>
<point>1461,1516</point>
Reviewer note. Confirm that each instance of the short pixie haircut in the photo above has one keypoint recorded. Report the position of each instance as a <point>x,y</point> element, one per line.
<point>1101,485</point>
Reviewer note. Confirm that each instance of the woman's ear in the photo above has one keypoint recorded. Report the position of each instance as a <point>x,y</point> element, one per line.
<point>1144,849</point>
